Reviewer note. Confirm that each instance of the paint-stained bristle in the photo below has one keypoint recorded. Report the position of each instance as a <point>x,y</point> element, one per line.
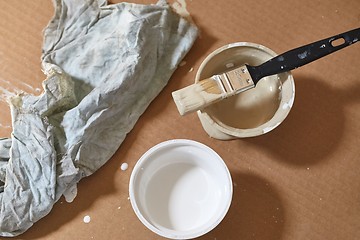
<point>211,86</point>
<point>196,96</point>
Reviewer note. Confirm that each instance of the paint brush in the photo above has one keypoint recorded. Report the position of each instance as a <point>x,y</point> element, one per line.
<point>224,85</point>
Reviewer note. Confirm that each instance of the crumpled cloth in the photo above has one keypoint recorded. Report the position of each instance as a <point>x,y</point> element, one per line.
<point>104,65</point>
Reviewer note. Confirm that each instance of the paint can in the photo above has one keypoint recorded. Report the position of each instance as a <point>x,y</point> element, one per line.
<point>253,112</point>
<point>180,189</point>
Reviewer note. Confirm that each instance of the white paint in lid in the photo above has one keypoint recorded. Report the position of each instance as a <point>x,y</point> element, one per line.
<point>180,189</point>
<point>189,193</point>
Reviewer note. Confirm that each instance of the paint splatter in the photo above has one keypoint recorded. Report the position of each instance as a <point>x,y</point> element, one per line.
<point>5,94</point>
<point>4,126</point>
<point>303,55</point>
<point>183,63</point>
<point>179,7</point>
<point>124,166</point>
<point>87,219</point>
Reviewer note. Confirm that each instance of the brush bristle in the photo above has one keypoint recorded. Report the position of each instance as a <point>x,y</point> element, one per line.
<point>196,96</point>
<point>210,86</point>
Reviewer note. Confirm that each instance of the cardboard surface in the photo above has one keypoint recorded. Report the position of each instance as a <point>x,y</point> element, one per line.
<point>300,181</point>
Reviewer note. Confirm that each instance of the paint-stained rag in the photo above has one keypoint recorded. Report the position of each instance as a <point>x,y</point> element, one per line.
<point>104,65</point>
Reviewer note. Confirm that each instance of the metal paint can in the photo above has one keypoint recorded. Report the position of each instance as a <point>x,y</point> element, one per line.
<point>253,112</point>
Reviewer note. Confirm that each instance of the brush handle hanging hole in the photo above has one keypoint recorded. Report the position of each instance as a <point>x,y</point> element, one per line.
<point>338,42</point>
<point>303,55</point>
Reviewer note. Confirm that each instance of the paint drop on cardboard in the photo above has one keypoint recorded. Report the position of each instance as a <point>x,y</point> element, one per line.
<point>87,219</point>
<point>124,166</point>
<point>183,63</point>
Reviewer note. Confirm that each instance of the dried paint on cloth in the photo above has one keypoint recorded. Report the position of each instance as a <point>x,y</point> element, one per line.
<point>105,64</point>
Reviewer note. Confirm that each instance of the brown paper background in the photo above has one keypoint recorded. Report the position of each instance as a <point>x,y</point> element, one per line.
<point>300,181</point>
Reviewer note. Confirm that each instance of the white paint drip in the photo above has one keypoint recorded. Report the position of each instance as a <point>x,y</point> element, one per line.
<point>183,63</point>
<point>28,86</point>
<point>179,7</point>
<point>87,219</point>
<point>31,87</point>
<point>8,92</point>
<point>70,193</point>
<point>303,55</point>
<point>4,126</point>
<point>124,166</point>
<point>5,81</point>
<point>5,94</point>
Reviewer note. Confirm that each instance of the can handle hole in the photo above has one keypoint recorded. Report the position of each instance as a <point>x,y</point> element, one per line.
<point>338,42</point>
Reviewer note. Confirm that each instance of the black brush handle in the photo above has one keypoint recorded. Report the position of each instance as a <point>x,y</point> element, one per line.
<point>303,55</point>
